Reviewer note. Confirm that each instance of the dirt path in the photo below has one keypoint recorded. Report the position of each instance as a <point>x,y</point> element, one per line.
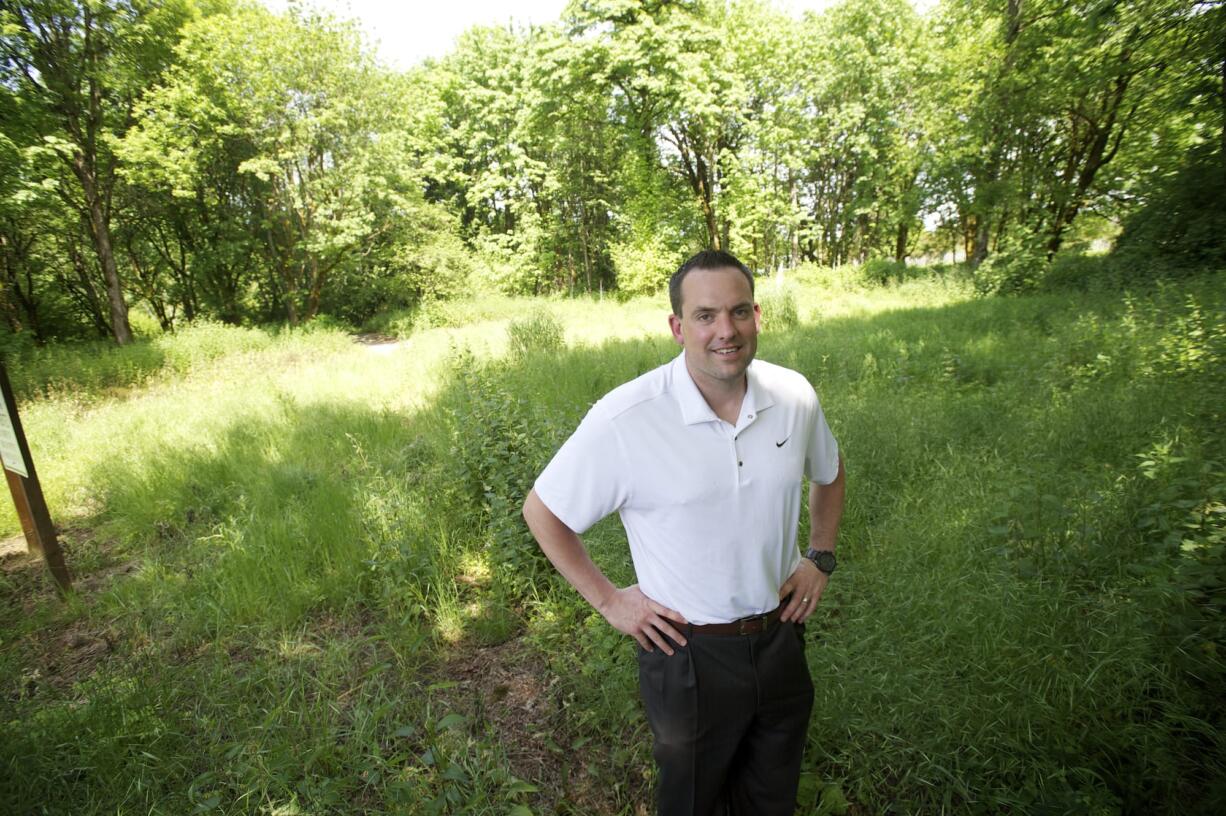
<point>509,690</point>
<point>377,343</point>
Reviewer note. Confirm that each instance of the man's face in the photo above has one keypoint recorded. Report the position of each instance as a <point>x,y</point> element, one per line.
<point>718,325</point>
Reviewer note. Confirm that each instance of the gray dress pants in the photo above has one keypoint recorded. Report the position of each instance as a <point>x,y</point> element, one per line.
<point>729,714</point>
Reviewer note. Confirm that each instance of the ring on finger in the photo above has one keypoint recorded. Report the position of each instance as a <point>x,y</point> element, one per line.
<point>804,600</point>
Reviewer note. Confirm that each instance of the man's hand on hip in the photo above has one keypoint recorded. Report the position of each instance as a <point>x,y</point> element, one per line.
<point>633,613</point>
<point>805,586</point>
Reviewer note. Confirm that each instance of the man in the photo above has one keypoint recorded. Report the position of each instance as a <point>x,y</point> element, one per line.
<point>703,459</point>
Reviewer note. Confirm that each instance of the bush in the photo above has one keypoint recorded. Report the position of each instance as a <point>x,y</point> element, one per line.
<point>499,443</point>
<point>778,307</point>
<point>206,340</point>
<point>1077,272</point>
<point>1184,223</point>
<point>437,269</point>
<point>883,270</point>
<point>143,324</point>
<point>642,267</point>
<point>16,343</point>
<point>538,332</point>
<point>835,278</point>
<point>505,264</point>
<point>1011,272</point>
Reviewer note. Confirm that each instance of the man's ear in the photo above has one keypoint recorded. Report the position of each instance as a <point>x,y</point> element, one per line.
<point>674,323</point>
<point>757,317</point>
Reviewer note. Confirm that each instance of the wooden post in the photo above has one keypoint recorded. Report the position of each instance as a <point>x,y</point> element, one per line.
<point>27,493</point>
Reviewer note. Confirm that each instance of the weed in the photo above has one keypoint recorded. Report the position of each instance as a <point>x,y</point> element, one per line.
<point>1027,615</point>
<point>539,332</point>
<point>778,307</point>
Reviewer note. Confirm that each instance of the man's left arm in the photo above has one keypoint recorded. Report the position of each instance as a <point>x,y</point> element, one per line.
<point>806,584</point>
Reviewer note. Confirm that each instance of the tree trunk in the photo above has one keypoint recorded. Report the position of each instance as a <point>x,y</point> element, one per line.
<point>982,234</point>
<point>100,232</point>
<point>900,243</point>
<point>794,229</point>
<point>84,291</point>
<point>316,291</point>
<point>291,308</point>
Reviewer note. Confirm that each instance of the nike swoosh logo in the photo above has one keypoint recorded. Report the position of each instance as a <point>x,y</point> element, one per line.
<point>781,444</point>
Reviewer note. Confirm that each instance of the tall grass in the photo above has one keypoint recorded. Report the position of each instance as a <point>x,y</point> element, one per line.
<point>306,533</point>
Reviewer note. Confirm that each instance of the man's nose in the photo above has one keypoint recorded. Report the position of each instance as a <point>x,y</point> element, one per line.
<point>725,325</point>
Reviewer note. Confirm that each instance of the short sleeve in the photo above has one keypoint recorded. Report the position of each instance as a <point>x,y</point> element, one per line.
<point>822,457</point>
<point>586,480</point>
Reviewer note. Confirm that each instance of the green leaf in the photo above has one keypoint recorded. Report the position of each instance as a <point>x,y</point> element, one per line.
<point>452,721</point>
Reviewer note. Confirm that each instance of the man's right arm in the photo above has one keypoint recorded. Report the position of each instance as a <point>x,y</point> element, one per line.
<point>627,610</point>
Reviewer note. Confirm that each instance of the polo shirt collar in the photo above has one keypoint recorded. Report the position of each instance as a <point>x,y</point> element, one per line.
<point>694,408</point>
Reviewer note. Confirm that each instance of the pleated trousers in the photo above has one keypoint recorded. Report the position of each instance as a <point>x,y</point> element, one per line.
<point>729,714</point>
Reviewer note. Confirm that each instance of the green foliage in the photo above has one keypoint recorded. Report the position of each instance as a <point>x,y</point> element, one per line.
<point>778,305</point>
<point>88,368</point>
<point>1184,219</point>
<point>1075,645</point>
<point>882,271</point>
<point>279,139</point>
<point>537,333</point>
<point>1011,272</point>
<point>500,444</point>
<point>1081,272</point>
<point>271,170</point>
<point>644,267</point>
<point>504,265</point>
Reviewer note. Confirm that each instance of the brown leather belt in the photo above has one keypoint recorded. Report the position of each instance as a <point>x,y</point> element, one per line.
<point>753,625</point>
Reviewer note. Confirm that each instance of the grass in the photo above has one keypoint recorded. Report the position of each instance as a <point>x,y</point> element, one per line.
<point>305,586</point>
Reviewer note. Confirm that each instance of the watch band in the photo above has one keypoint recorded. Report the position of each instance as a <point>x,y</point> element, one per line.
<point>824,560</point>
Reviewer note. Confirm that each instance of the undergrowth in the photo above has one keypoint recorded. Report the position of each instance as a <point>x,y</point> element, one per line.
<point>283,543</point>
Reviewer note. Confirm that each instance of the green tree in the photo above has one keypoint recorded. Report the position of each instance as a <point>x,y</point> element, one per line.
<point>1052,93</point>
<point>83,64</point>
<point>279,132</point>
<point>673,90</point>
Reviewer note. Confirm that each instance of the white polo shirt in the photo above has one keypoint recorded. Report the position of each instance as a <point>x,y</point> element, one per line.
<point>710,509</point>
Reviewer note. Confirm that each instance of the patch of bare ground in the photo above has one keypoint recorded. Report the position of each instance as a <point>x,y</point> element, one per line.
<point>62,651</point>
<point>509,690</point>
<point>374,338</point>
<point>29,571</point>
<point>377,341</point>
<point>65,657</point>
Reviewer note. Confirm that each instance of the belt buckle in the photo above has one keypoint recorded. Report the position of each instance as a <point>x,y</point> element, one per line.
<point>761,620</point>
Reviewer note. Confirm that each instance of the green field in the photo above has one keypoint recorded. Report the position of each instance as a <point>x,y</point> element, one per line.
<point>304,587</point>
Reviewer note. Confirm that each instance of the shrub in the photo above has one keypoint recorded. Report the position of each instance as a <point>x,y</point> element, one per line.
<point>538,332</point>
<point>499,444</point>
<point>840,278</point>
<point>398,322</point>
<point>1076,271</point>
<point>778,307</point>
<point>1184,222</point>
<point>206,340</point>
<point>86,367</point>
<point>642,267</point>
<point>1011,272</point>
<point>882,270</point>
<point>505,264</point>
<point>143,324</point>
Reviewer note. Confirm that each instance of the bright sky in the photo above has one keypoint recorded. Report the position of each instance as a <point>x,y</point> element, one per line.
<point>405,33</point>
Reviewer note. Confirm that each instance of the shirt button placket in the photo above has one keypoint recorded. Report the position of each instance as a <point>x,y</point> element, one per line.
<point>740,461</point>
<point>734,438</point>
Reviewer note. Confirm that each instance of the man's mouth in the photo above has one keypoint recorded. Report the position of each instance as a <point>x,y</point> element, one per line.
<point>727,350</point>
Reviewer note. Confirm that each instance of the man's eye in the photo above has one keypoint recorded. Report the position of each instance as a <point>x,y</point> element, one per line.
<point>741,313</point>
<point>703,318</point>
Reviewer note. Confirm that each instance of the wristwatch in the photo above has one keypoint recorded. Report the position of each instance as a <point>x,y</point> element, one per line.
<point>822,559</point>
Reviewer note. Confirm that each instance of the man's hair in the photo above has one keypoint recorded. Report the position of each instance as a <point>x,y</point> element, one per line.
<point>707,259</point>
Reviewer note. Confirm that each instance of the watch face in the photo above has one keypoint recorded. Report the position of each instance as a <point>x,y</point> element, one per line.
<point>824,560</point>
